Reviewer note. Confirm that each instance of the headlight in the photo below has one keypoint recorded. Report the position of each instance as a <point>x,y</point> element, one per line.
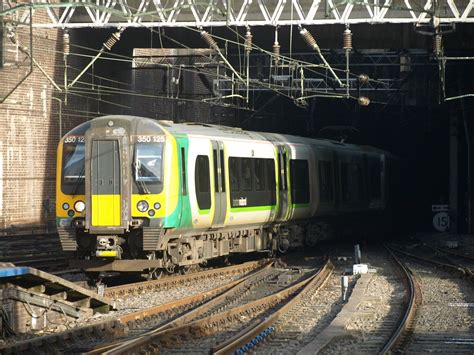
<point>151,213</point>
<point>157,206</point>
<point>65,206</point>
<point>142,206</point>
<point>79,206</point>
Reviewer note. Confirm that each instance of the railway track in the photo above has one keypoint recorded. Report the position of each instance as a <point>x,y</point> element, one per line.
<point>52,263</point>
<point>256,333</point>
<point>41,250</point>
<point>268,309</point>
<point>175,280</point>
<point>443,321</point>
<point>413,299</point>
<point>33,245</point>
<point>462,260</point>
<point>441,258</point>
<point>366,323</point>
<point>432,317</point>
<point>219,319</point>
<point>117,324</point>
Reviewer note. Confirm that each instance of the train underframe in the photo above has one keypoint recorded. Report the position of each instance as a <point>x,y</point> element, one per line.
<point>150,249</point>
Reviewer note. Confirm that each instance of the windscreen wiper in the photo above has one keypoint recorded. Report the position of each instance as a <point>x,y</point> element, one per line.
<point>139,179</point>
<point>79,180</point>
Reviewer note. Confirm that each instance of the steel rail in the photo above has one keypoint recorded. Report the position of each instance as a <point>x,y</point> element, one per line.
<point>117,326</point>
<point>129,318</point>
<point>254,331</point>
<point>414,299</point>
<point>430,261</point>
<point>448,254</point>
<point>174,280</point>
<point>204,326</point>
<point>180,322</point>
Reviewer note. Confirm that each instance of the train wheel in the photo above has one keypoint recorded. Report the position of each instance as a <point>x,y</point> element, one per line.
<point>170,268</point>
<point>155,274</point>
<point>183,270</point>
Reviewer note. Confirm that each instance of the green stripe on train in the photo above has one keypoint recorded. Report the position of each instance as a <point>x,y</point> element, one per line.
<point>252,209</point>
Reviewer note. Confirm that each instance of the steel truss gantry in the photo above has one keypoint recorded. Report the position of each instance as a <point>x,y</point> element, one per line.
<point>180,13</point>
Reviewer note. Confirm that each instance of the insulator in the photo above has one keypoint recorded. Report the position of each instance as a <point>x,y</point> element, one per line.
<point>363,78</point>
<point>248,40</point>
<point>276,52</point>
<point>347,39</point>
<point>309,39</point>
<point>66,43</point>
<point>438,44</point>
<point>363,101</point>
<point>112,40</point>
<point>210,41</point>
<point>276,48</point>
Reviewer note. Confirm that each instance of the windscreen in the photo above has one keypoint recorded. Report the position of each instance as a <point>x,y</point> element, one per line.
<point>73,167</point>
<point>148,168</point>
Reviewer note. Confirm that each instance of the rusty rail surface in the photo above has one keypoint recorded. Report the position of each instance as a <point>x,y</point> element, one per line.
<point>454,253</point>
<point>30,245</point>
<point>188,325</point>
<point>218,294</point>
<point>405,326</point>
<point>150,285</point>
<point>449,255</point>
<point>448,267</point>
<point>257,332</point>
<point>117,327</point>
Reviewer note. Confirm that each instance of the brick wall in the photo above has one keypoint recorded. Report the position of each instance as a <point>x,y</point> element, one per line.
<point>29,126</point>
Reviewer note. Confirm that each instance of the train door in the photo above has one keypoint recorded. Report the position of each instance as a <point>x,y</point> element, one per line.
<point>105,184</point>
<point>220,203</point>
<point>282,183</point>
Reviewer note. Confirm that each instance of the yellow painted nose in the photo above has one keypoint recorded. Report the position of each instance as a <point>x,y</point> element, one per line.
<point>106,210</point>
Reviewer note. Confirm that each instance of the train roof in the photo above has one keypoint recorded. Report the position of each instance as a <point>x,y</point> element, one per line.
<point>234,133</point>
<point>212,130</point>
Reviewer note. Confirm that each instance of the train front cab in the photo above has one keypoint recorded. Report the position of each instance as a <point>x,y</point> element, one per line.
<point>110,188</point>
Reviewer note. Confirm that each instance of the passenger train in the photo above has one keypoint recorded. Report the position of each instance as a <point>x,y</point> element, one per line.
<point>136,194</point>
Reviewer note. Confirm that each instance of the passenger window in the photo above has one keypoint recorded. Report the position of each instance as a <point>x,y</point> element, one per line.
<point>375,176</point>
<point>326,187</point>
<point>270,175</point>
<point>345,182</point>
<point>203,182</point>
<point>299,181</point>
<point>259,174</point>
<point>246,174</point>
<point>352,188</point>
<point>358,184</point>
<point>234,174</point>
